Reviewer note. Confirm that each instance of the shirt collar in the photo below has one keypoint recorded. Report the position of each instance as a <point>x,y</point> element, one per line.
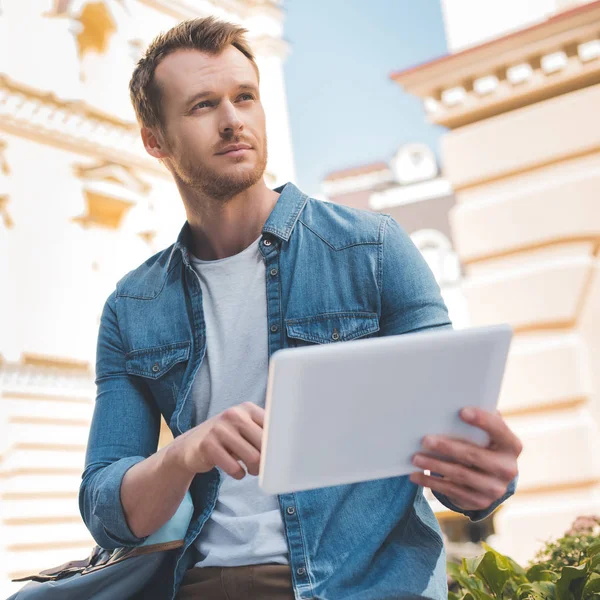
<point>281,221</point>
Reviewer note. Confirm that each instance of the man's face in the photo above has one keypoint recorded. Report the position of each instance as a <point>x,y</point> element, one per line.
<point>209,104</point>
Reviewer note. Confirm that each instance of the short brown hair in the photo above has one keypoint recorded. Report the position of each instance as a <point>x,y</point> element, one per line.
<point>207,35</point>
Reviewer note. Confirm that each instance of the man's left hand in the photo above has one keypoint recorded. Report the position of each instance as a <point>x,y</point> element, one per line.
<point>473,477</point>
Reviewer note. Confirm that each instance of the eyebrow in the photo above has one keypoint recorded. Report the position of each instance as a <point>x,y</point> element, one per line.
<point>200,95</point>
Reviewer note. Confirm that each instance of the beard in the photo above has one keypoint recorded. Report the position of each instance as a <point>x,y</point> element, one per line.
<point>221,185</point>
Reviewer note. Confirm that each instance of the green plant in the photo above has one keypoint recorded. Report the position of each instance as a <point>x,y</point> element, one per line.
<point>570,549</point>
<point>568,569</point>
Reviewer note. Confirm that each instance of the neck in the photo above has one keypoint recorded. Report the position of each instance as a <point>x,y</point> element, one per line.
<point>224,228</point>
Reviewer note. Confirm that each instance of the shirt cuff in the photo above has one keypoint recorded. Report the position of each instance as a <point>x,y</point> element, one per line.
<point>479,515</point>
<point>109,524</point>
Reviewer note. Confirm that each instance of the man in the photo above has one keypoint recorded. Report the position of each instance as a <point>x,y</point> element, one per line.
<point>189,333</point>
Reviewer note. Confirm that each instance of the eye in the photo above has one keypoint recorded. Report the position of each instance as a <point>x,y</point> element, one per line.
<point>203,104</point>
<point>246,96</point>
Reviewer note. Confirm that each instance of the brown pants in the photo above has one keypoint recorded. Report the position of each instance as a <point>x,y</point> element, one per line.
<point>253,582</point>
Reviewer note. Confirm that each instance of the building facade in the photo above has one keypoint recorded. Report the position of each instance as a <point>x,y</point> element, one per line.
<point>81,203</point>
<point>520,94</point>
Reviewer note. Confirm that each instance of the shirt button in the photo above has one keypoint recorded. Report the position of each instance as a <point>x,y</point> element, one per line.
<point>155,368</point>
<point>335,336</point>
<point>291,510</point>
<point>301,571</point>
<point>274,328</point>
<point>267,242</point>
<point>274,272</point>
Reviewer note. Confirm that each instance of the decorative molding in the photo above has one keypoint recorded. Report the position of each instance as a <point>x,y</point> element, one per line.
<point>40,360</point>
<point>555,57</point>
<point>40,472</point>
<point>42,546</point>
<point>544,408</point>
<point>45,520</point>
<point>110,191</point>
<point>72,125</point>
<point>52,421</point>
<point>148,236</point>
<point>4,198</point>
<point>111,172</point>
<point>189,9</point>
<point>39,496</point>
<point>25,380</point>
<point>357,183</point>
<point>4,168</point>
<point>97,25</point>
<point>4,214</point>
<point>409,194</point>
<point>568,486</point>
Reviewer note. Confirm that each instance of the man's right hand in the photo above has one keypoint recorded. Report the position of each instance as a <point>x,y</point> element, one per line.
<point>235,434</point>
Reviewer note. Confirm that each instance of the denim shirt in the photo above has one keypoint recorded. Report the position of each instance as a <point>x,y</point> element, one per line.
<point>329,269</point>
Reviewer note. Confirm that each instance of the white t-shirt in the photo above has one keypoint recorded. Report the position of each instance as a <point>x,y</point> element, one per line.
<point>246,526</point>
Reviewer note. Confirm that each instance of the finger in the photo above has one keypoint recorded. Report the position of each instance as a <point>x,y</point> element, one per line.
<point>257,413</point>
<point>241,449</point>
<point>463,497</point>
<point>462,476</point>
<point>243,418</point>
<point>227,463</point>
<point>496,427</point>
<point>253,433</point>
<point>493,463</point>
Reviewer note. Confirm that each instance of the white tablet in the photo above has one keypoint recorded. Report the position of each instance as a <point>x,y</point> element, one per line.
<point>355,411</point>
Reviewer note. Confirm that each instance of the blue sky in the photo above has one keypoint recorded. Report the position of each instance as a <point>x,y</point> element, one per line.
<point>344,109</point>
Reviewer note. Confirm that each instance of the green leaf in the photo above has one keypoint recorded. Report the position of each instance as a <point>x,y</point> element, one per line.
<point>454,570</point>
<point>470,564</point>
<point>567,577</point>
<point>593,549</point>
<point>460,575</point>
<point>506,562</point>
<point>541,573</point>
<point>591,587</point>
<point>481,595</point>
<point>540,590</point>
<point>492,572</point>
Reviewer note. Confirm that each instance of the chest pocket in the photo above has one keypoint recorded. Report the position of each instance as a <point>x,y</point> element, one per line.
<point>331,327</point>
<point>162,369</point>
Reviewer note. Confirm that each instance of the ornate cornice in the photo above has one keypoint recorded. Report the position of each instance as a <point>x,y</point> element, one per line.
<point>72,125</point>
<point>188,9</point>
<point>551,58</point>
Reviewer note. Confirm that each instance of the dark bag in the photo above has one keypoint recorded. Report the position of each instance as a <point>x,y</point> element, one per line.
<point>119,574</point>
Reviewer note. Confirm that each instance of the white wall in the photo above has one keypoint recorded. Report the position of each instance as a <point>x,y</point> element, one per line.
<point>472,22</point>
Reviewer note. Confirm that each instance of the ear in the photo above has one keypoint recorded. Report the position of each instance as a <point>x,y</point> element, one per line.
<point>154,143</point>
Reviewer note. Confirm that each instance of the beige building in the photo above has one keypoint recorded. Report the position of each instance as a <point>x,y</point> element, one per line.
<point>81,203</point>
<point>520,94</point>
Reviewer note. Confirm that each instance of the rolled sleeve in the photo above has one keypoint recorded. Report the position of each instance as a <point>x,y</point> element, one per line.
<point>100,502</point>
<point>479,515</point>
<point>124,431</point>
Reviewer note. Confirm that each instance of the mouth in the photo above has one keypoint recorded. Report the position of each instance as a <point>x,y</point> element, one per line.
<point>235,150</point>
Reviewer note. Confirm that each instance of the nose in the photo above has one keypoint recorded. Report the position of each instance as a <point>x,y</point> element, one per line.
<point>230,120</point>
